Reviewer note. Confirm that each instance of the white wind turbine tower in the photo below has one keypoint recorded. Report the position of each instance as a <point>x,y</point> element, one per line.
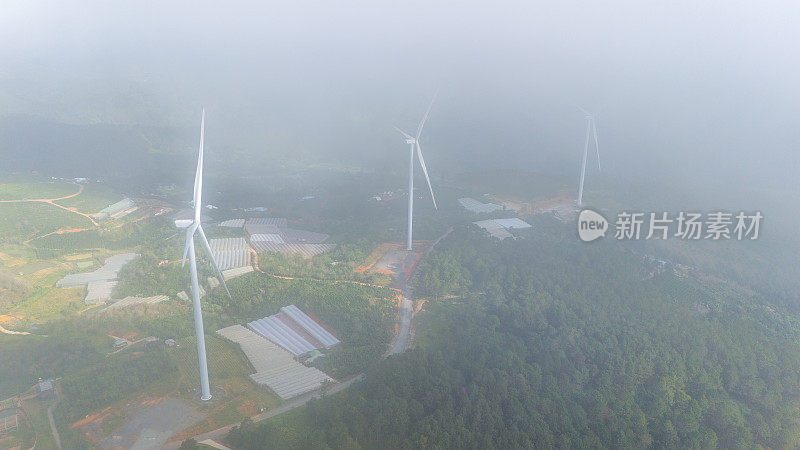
<point>591,129</point>
<point>189,249</point>
<point>414,142</point>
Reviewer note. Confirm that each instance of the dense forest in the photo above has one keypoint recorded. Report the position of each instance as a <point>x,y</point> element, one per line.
<point>562,344</point>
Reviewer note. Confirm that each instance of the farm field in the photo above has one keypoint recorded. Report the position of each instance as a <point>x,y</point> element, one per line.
<point>236,396</point>
<point>79,240</point>
<point>41,242</point>
<point>15,189</point>
<point>46,304</point>
<point>93,198</point>
<point>22,221</point>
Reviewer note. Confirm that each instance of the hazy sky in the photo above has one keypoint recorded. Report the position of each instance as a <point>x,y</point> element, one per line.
<point>700,89</point>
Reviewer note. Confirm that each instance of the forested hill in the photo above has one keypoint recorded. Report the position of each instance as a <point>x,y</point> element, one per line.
<point>569,345</point>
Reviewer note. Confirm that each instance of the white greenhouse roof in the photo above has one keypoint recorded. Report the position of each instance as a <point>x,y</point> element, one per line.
<point>99,292</point>
<point>280,222</point>
<point>230,253</point>
<point>313,328</point>
<point>470,204</point>
<point>267,237</point>
<point>513,222</point>
<point>293,330</point>
<point>274,366</point>
<point>304,250</point>
<point>232,223</point>
<point>494,228</point>
<point>107,272</point>
<point>237,271</point>
<point>499,227</point>
<point>130,301</point>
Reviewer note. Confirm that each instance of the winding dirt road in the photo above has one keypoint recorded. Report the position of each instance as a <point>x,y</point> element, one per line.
<point>51,201</point>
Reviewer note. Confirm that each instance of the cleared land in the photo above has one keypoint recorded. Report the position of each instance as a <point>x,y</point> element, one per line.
<point>151,425</point>
<point>23,221</point>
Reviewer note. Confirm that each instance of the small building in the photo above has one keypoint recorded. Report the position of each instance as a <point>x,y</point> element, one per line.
<point>116,208</point>
<point>121,342</point>
<point>46,391</point>
<point>313,355</point>
<point>170,342</point>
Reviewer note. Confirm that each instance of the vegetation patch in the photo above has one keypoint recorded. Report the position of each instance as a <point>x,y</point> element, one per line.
<point>363,324</point>
<point>22,190</point>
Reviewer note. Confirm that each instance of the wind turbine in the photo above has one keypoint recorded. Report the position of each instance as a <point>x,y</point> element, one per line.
<point>591,129</point>
<point>196,226</point>
<point>414,142</point>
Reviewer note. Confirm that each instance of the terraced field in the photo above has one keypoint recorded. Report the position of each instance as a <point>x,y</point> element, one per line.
<point>20,222</point>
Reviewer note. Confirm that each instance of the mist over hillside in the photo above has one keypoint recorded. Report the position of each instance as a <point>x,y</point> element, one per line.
<point>683,93</point>
<point>218,229</point>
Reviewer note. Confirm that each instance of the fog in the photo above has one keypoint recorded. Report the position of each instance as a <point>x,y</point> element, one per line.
<point>683,91</point>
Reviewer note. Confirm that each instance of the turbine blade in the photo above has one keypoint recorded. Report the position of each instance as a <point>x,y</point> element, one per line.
<point>198,176</point>
<point>425,117</point>
<point>213,260</point>
<point>425,171</point>
<point>408,136</point>
<point>583,162</point>
<point>585,112</point>
<point>189,242</point>
<point>596,145</point>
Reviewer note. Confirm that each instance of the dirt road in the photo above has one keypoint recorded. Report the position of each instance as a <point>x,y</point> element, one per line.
<point>51,201</point>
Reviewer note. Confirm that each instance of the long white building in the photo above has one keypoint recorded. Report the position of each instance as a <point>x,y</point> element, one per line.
<point>470,204</point>
<point>230,253</point>
<point>274,366</point>
<point>294,330</point>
